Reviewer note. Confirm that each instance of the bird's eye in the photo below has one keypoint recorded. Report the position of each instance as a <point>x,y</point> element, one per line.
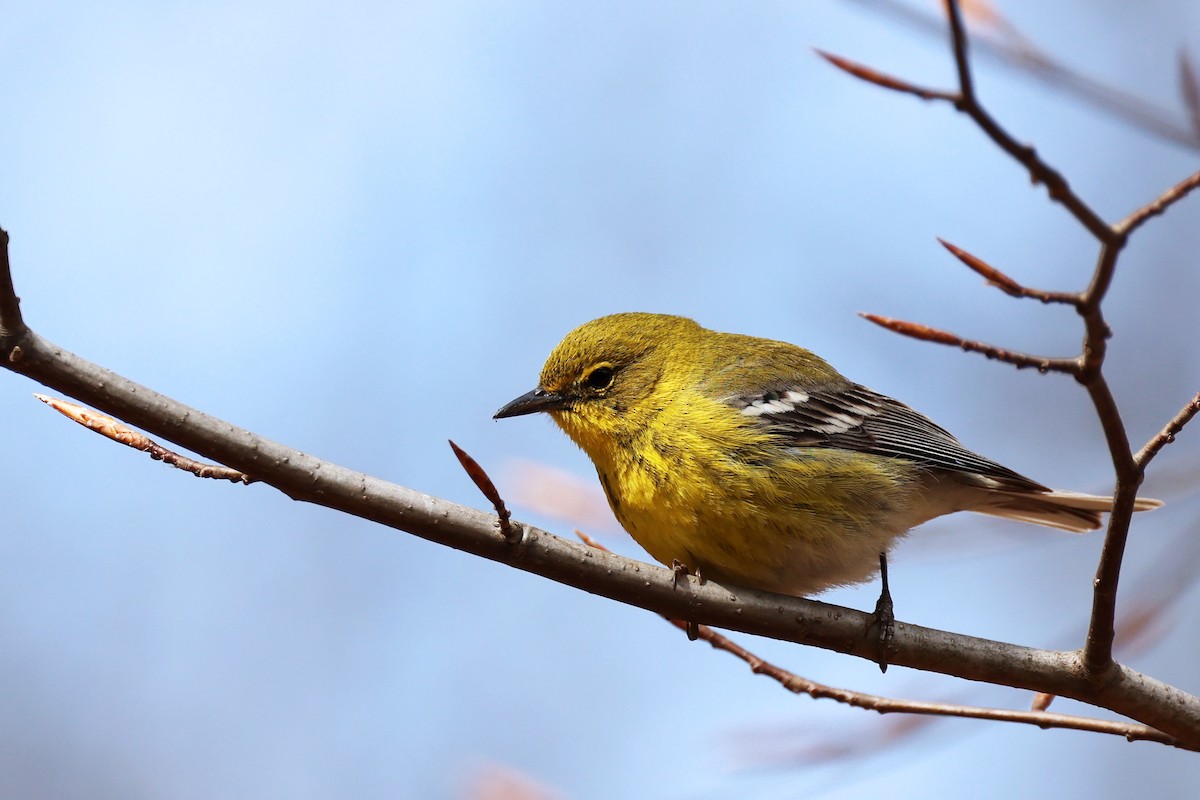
<point>600,378</point>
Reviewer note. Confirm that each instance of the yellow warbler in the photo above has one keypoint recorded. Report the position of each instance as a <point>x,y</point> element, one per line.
<point>755,462</point>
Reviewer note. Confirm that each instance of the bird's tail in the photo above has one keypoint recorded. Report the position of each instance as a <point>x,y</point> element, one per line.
<point>1068,511</point>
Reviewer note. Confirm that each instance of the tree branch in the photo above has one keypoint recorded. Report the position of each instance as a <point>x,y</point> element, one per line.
<point>888,705</point>
<point>797,684</point>
<point>1039,170</point>
<point>1089,675</point>
<point>304,477</point>
<point>1088,368</point>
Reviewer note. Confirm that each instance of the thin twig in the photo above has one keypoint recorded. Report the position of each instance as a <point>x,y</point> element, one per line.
<point>797,684</point>
<point>889,705</point>
<point>481,480</point>
<point>1159,205</point>
<point>1019,360</point>
<point>1168,433</point>
<point>996,278</point>
<point>884,80</point>
<point>1189,87</point>
<point>112,429</point>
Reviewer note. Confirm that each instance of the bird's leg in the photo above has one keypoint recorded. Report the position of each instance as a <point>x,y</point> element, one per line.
<point>884,616</point>
<point>681,570</point>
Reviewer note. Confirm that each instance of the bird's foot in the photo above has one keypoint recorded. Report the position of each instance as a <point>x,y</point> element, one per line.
<point>681,571</point>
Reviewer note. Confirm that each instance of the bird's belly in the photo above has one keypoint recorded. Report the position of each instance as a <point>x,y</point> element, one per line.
<point>800,540</point>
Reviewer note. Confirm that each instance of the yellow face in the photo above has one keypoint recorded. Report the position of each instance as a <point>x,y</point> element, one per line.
<point>596,382</point>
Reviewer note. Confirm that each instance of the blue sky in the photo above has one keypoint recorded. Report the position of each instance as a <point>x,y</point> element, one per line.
<point>359,228</point>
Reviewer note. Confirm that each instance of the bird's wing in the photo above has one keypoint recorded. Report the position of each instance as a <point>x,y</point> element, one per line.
<point>853,417</point>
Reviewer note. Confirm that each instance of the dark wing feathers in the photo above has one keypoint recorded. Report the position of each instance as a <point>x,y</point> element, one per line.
<point>853,417</point>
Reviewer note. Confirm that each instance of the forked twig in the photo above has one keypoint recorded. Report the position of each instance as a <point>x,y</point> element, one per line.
<point>1087,368</point>
<point>1039,171</point>
<point>966,101</point>
<point>119,432</point>
<point>797,684</point>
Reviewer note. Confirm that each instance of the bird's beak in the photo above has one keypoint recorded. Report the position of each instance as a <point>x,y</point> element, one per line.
<point>532,402</point>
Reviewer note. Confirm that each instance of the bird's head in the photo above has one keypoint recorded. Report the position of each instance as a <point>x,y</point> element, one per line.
<point>599,383</point>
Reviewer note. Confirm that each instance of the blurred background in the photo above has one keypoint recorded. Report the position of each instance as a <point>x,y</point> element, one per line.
<point>359,228</point>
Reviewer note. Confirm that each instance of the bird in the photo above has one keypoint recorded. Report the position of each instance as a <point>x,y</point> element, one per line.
<point>755,462</point>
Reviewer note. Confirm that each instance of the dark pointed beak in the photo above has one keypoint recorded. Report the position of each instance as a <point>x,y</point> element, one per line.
<point>531,403</point>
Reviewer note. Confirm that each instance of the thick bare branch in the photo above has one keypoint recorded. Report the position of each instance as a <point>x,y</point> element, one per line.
<point>304,477</point>
<point>1089,675</point>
